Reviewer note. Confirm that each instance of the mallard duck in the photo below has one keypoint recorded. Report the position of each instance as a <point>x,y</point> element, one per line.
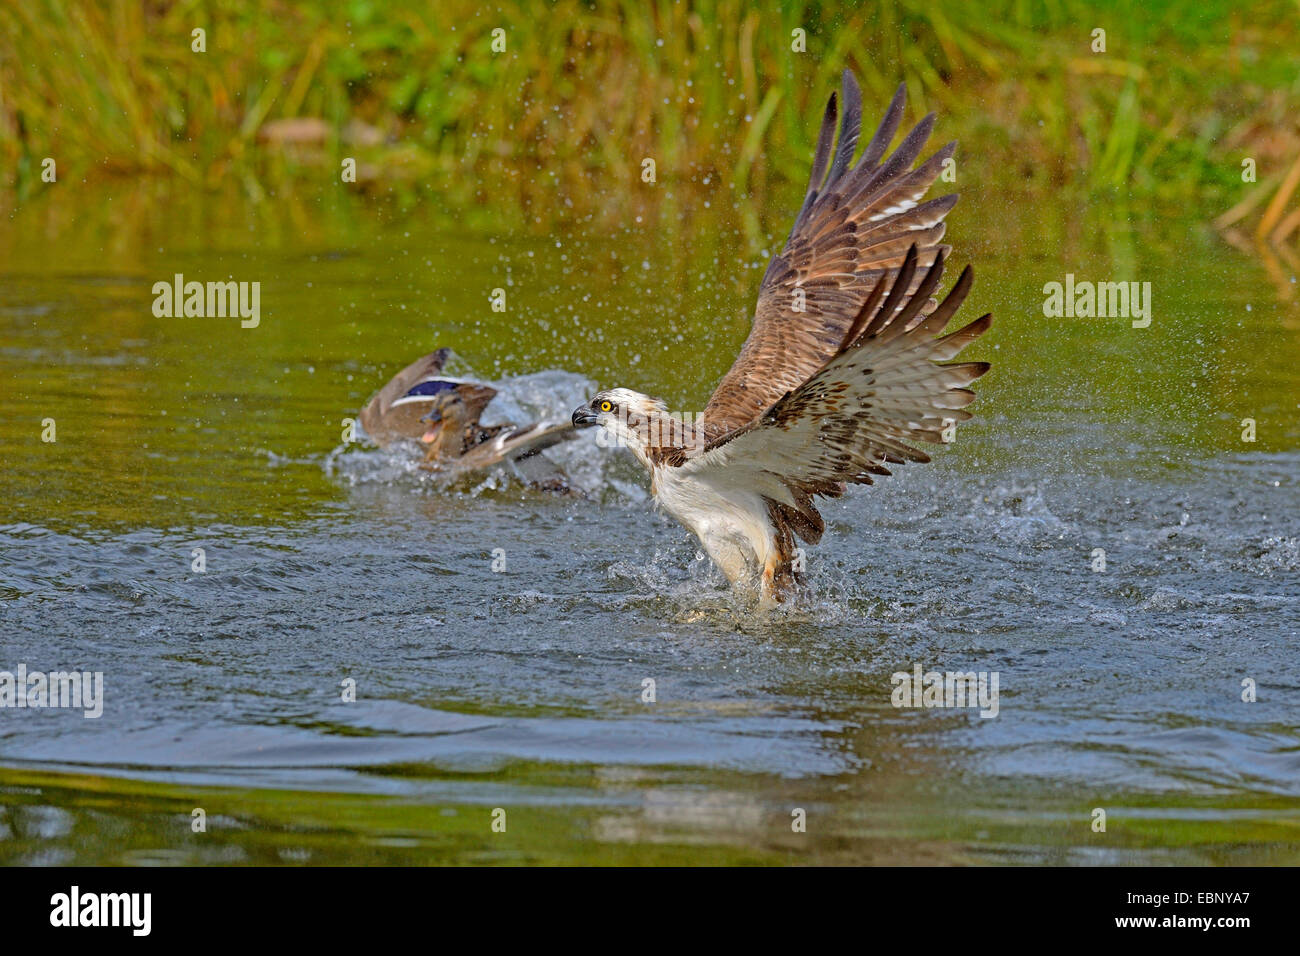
<point>442,411</point>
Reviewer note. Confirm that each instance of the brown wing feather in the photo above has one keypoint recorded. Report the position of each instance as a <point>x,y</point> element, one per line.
<point>515,443</point>
<point>386,423</point>
<point>851,236</point>
<point>883,387</point>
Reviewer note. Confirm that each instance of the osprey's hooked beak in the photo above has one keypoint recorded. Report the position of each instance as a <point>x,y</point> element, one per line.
<point>435,425</point>
<point>584,417</point>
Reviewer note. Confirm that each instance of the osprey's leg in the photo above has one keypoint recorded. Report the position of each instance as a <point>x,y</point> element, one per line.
<point>730,558</point>
<point>778,580</point>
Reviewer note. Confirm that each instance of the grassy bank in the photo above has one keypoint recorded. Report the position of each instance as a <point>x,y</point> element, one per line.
<point>559,124</point>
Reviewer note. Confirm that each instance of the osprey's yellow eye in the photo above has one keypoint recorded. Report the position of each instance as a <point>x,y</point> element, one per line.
<point>606,406</point>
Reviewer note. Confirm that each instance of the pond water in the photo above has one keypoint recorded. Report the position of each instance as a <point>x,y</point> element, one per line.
<point>521,688</point>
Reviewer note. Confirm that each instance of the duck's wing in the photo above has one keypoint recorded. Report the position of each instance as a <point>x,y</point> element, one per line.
<point>513,444</point>
<point>849,238</point>
<point>544,475</point>
<point>395,411</point>
<point>883,387</point>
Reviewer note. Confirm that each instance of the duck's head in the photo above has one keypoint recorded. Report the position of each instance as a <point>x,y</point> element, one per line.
<point>448,416</point>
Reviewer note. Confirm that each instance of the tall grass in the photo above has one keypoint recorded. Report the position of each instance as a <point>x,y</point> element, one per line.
<point>559,124</point>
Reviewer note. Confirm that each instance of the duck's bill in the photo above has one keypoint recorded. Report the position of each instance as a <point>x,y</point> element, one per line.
<point>434,421</point>
<point>584,417</point>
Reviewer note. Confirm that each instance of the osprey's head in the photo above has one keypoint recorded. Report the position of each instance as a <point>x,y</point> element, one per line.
<point>623,414</point>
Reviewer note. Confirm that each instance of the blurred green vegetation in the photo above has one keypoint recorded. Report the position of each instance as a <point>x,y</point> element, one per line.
<point>557,126</point>
<point>114,821</point>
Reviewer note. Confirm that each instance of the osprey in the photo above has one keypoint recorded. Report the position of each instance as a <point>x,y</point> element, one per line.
<point>443,412</point>
<point>841,367</point>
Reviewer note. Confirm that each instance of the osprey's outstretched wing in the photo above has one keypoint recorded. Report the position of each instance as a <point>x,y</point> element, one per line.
<point>882,386</point>
<point>395,411</point>
<point>852,232</point>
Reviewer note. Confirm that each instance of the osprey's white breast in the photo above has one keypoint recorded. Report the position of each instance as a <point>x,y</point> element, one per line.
<point>731,522</point>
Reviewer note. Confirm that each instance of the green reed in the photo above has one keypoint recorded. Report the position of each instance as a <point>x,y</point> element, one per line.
<point>559,124</point>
